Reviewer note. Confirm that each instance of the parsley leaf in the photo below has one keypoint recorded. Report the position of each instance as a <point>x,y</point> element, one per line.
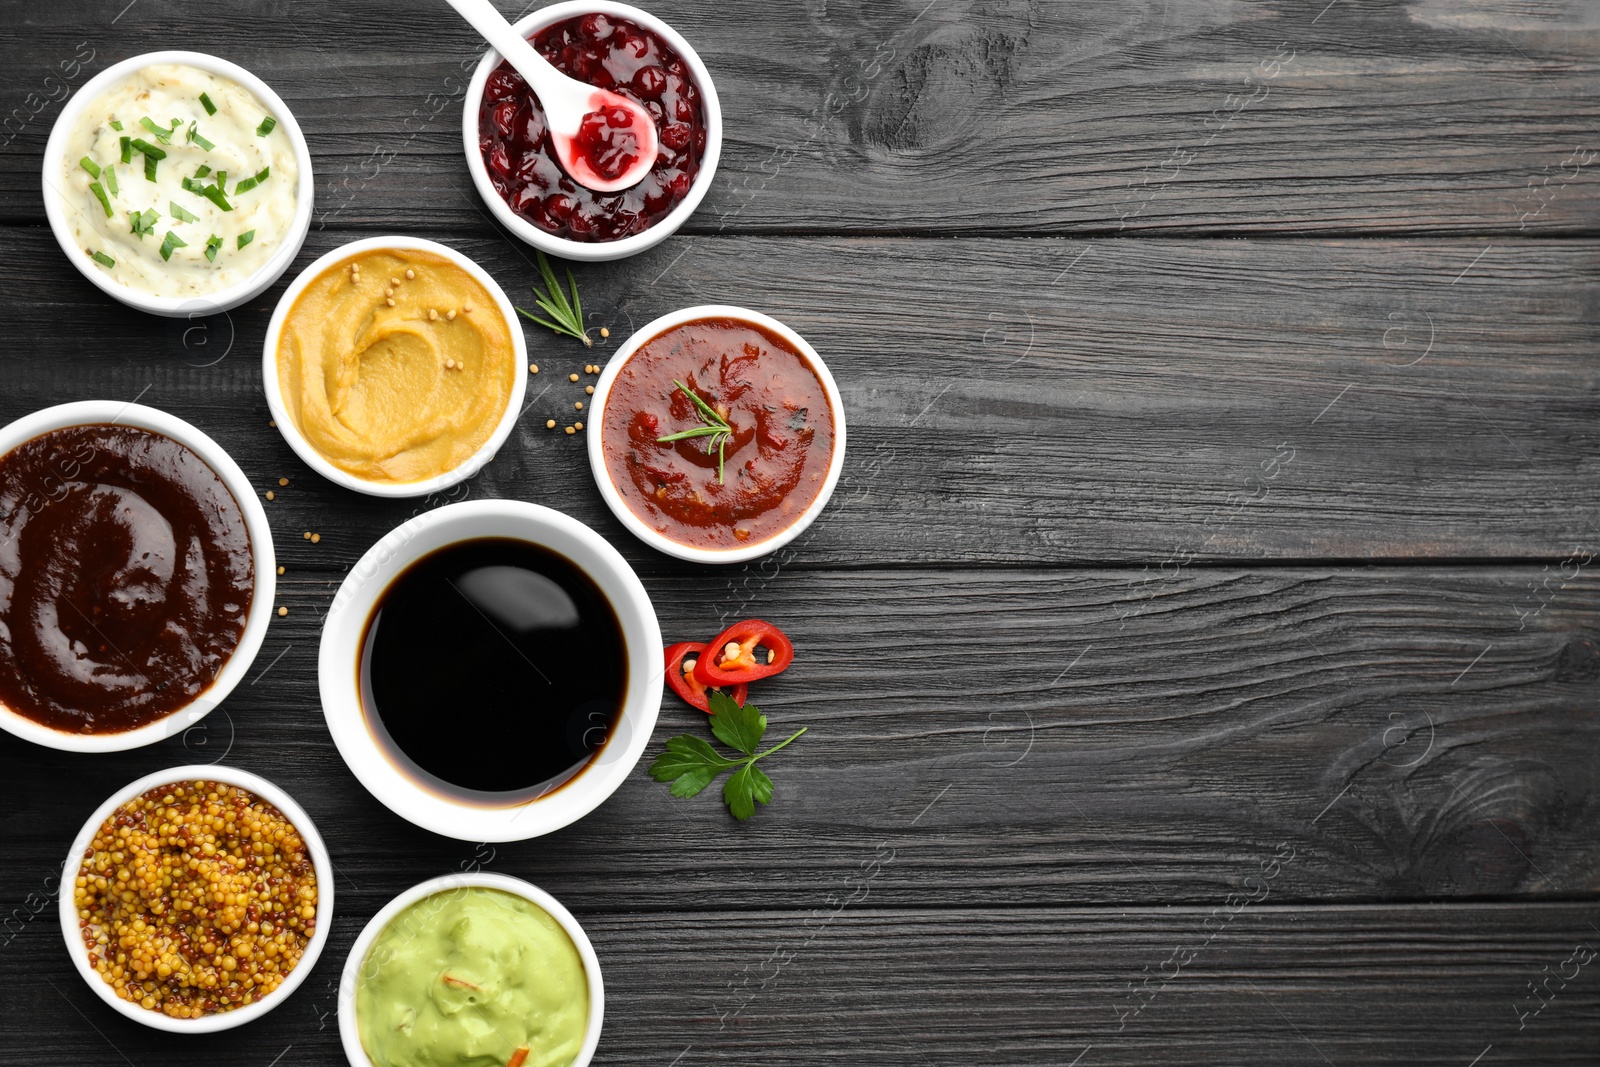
<point>737,727</point>
<point>691,763</point>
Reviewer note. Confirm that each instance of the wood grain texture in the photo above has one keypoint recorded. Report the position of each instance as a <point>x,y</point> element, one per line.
<point>1018,401</point>
<point>1201,650</point>
<point>1411,986</point>
<point>955,116</point>
<point>1027,737</point>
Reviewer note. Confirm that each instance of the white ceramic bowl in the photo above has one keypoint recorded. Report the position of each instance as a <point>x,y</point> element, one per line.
<point>338,664</point>
<point>595,251</point>
<point>596,429</point>
<point>349,1028</point>
<point>86,412</point>
<point>179,306</point>
<point>307,452</point>
<point>206,1024</point>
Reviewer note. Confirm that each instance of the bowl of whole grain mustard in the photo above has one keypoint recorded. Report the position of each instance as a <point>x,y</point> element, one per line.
<point>196,899</point>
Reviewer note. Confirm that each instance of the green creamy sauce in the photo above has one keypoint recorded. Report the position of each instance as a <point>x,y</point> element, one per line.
<point>465,977</point>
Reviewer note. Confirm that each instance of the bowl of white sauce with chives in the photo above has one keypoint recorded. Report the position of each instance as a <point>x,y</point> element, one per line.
<point>178,183</point>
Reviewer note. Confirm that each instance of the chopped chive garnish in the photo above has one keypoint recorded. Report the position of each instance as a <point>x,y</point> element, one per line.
<point>213,193</point>
<point>104,260</point>
<point>171,244</point>
<point>91,166</point>
<point>109,173</point>
<point>143,222</point>
<point>212,244</point>
<point>149,149</point>
<point>205,102</point>
<point>115,125</point>
<point>99,192</point>
<point>246,184</point>
<point>177,211</point>
<point>149,168</point>
<point>161,133</point>
<point>127,149</point>
<point>268,124</point>
<point>246,237</point>
<point>194,135</point>
<point>222,178</point>
<point>202,172</point>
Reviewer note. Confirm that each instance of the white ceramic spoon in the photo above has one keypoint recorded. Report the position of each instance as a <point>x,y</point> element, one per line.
<point>566,101</point>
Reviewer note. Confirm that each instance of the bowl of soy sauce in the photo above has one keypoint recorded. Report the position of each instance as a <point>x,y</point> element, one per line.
<point>490,670</point>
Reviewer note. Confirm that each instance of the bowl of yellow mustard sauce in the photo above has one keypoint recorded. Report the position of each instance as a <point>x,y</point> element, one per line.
<point>393,366</point>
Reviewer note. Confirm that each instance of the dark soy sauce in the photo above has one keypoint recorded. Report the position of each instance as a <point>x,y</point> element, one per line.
<point>493,670</point>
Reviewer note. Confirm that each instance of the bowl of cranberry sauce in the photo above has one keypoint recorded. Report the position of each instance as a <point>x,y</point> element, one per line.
<point>514,164</point>
<point>717,434</point>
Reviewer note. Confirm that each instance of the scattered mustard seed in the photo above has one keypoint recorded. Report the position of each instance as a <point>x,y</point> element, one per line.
<point>394,281</point>
<point>604,332</point>
<point>273,423</point>
<point>283,611</point>
<point>572,429</point>
<point>589,389</point>
<point>410,274</point>
<point>466,309</point>
<point>533,368</point>
<point>306,536</point>
<point>577,426</point>
<point>390,301</point>
<point>432,314</point>
<point>315,538</point>
<point>572,377</point>
<point>549,424</point>
<point>271,495</point>
<point>280,570</point>
<point>451,314</point>
<point>283,481</point>
<point>578,405</point>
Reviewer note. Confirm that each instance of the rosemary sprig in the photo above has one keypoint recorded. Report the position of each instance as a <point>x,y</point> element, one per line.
<point>715,429</point>
<point>566,317</point>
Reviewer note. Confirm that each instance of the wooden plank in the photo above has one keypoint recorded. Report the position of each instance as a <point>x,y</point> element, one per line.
<point>948,117</point>
<point>1026,737</point>
<point>852,984</point>
<point>1016,402</point>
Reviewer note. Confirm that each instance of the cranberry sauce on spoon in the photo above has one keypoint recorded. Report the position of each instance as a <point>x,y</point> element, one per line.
<point>521,159</point>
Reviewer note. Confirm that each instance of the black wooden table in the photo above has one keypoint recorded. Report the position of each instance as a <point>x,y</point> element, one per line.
<point>1200,651</point>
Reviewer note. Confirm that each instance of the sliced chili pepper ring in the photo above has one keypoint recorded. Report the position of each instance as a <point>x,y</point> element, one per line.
<point>731,655</point>
<point>690,688</point>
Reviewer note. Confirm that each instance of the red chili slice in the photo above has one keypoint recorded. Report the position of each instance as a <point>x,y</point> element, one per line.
<point>687,685</point>
<point>732,656</point>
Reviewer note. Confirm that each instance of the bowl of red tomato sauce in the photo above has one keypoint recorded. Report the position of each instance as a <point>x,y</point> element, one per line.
<point>717,434</point>
<point>514,164</point>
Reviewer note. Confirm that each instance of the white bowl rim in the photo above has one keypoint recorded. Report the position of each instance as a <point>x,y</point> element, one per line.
<point>92,412</point>
<point>207,303</point>
<point>619,507</point>
<point>319,463</point>
<point>272,794</point>
<point>339,653</point>
<point>595,251</point>
<point>349,1029</point>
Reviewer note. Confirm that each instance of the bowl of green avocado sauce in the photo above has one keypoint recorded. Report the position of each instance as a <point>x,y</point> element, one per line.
<point>472,970</point>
